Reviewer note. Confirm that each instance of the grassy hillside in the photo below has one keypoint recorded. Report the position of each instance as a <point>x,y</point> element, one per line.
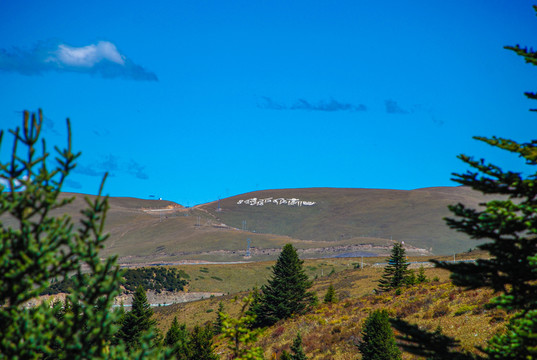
<point>415,217</point>
<point>331,331</point>
<point>342,221</point>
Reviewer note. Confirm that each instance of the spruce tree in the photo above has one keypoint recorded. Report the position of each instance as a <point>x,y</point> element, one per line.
<point>396,272</point>
<point>509,224</point>
<point>137,322</point>
<point>177,340</point>
<point>285,356</point>
<point>330,296</point>
<point>296,348</point>
<point>200,344</point>
<point>42,247</point>
<point>286,293</point>
<point>218,323</point>
<point>422,278</point>
<point>378,341</point>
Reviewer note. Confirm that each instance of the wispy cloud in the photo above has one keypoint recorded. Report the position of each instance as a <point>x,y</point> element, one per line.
<point>331,105</point>
<point>136,170</point>
<point>102,59</point>
<point>393,108</point>
<point>114,165</point>
<point>90,170</point>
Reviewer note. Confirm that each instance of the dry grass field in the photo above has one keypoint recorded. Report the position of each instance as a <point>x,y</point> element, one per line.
<point>341,221</point>
<point>331,331</point>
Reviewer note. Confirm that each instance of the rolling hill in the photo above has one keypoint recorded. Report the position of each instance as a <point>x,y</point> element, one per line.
<point>415,216</point>
<point>320,222</point>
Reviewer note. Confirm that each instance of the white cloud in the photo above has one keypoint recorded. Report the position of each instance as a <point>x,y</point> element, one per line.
<point>87,56</point>
<point>102,59</point>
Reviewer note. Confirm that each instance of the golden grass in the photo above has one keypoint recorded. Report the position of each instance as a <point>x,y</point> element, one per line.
<point>331,331</point>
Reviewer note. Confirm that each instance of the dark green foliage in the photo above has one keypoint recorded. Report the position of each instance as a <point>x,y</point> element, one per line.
<point>330,296</point>
<point>519,341</point>
<point>194,345</point>
<point>378,341</point>
<point>156,278</point>
<point>64,286</point>
<point>411,278</point>
<point>285,356</point>
<point>200,344</point>
<point>509,223</point>
<point>286,292</point>
<point>42,248</point>
<point>396,272</point>
<point>421,278</point>
<point>177,340</point>
<point>296,348</point>
<point>137,322</point>
<point>218,323</point>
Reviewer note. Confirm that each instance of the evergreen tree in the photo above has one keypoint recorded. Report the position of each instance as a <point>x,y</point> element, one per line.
<point>422,278</point>
<point>330,296</point>
<point>137,322</point>
<point>509,223</point>
<point>286,292</point>
<point>411,278</point>
<point>218,323</point>
<point>41,248</point>
<point>200,344</point>
<point>285,356</point>
<point>296,348</point>
<point>396,272</point>
<point>177,340</point>
<point>378,341</point>
<point>238,334</point>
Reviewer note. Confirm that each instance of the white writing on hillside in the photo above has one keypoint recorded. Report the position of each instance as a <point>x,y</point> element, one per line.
<point>278,201</point>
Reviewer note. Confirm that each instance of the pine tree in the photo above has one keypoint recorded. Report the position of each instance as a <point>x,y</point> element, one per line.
<point>330,296</point>
<point>42,247</point>
<point>137,322</point>
<point>286,292</point>
<point>396,272</point>
<point>378,341</point>
<point>177,340</point>
<point>296,348</point>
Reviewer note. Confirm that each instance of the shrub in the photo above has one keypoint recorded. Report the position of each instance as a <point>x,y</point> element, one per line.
<point>441,309</point>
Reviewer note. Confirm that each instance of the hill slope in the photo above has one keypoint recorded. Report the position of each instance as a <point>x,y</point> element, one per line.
<point>415,216</point>
<point>348,222</point>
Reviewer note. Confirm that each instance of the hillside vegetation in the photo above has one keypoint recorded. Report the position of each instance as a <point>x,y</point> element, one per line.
<point>331,331</point>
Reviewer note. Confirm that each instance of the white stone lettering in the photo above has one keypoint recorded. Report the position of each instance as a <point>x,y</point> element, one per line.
<point>278,201</point>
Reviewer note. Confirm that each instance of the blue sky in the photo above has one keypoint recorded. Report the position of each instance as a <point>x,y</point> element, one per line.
<point>195,100</point>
